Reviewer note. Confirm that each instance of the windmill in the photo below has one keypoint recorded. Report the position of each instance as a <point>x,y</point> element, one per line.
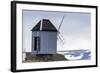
<point>44,37</point>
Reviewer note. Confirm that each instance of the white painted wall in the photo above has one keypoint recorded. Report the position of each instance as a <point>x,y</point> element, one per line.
<point>5,37</point>
<point>48,42</point>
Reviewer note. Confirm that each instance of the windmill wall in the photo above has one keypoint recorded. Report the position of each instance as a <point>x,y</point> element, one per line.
<point>48,42</point>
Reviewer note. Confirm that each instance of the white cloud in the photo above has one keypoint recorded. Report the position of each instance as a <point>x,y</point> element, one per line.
<point>72,43</point>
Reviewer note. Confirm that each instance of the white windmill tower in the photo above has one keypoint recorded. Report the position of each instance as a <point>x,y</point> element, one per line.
<point>45,36</point>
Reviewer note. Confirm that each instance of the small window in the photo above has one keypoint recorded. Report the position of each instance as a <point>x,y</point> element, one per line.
<point>37,43</point>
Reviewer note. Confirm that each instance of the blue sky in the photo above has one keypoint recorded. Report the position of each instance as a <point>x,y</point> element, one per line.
<point>75,29</point>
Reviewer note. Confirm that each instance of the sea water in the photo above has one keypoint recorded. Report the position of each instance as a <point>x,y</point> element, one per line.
<point>77,54</point>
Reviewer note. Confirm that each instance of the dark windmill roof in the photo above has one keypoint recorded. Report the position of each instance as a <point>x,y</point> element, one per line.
<point>46,26</point>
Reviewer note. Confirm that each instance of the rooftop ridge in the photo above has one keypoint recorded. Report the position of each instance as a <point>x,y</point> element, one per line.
<point>44,25</point>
